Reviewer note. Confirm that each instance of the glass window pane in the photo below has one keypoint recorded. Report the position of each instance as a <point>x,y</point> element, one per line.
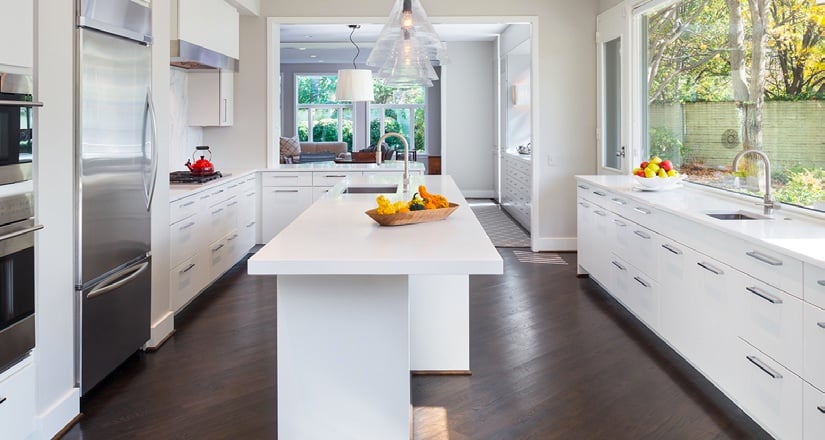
<point>346,130</point>
<point>375,124</point>
<point>612,105</point>
<point>324,125</point>
<point>420,129</point>
<point>316,89</point>
<point>302,121</point>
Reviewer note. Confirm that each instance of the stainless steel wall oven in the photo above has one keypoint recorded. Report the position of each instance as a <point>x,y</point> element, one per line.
<point>15,127</point>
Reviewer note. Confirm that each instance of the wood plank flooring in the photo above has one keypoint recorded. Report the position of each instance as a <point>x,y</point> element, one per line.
<point>553,357</point>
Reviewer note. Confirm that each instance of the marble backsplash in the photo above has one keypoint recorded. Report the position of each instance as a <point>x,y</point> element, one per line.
<point>182,137</point>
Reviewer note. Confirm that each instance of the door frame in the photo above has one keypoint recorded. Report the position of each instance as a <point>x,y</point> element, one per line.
<point>611,24</point>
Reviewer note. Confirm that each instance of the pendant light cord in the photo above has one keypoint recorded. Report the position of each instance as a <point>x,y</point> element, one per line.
<point>357,49</point>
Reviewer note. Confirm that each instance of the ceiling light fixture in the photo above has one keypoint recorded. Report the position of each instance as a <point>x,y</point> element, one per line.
<point>408,47</point>
<point>354,84</point>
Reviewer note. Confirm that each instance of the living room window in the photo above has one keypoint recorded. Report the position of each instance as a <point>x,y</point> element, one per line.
<point>398,111</point>
<point>721,76</point>
<point>319,118</point>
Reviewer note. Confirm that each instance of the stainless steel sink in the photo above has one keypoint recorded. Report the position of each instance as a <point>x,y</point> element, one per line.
<point>738,215</point>
<point>373,189</point>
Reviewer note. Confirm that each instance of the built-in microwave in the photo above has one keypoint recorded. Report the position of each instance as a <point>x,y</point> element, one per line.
<point>15,127</point>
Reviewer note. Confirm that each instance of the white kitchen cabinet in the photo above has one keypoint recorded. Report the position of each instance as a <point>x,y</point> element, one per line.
<point>318,192</point>
<point>677,295</point>
<point>211,24</point>
<point>813,369</point>
<point>286,178</point>
<point>211,98</point>
<point>17,33</point>
<point>330,178</point>
<point>187,279</point>
<point>185,238</point>
<point>219,258</point>
<point>586,232</point>
<point>813,416</point>
<point>17,404</point>
<point>814,289</point>
<point>281,205</point>
<point>516,187</point>
<point>247,223</point>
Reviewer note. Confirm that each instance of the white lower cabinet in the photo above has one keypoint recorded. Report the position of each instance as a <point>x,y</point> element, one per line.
<point>186,280</point>
<point>218,258</point>
<point>813,413</point>
<point>319,192</point>
<point>281,205</point>
<point>769,392</point>
<point>813,369</point>
<point>17,405</point>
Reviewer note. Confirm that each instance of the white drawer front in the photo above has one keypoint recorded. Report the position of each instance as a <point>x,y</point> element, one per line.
<point>184,238</point>
<point>284,178</point>
<point>770,393</point>
<point>770,266</point>
<point>218,194</point>
<point>187,279</point>
<point>319,192</point>
<point>185,207</point>
<point>219,258</point>
<point>330,178</point>
<point>813,416</point>
<point>769,319</point>
<point>234,187</point>
<point>814,353</point>
<point>814,285</point>
<point>17,410</point>
<point>641,248</point>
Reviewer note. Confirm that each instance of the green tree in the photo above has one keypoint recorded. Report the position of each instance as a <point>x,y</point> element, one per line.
<point>797,68</point>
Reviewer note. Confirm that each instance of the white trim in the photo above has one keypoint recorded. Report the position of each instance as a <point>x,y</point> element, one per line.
<point>160,330</point>
<point>273,108</point>
<point>554,244</point>
<point>538,150</point>
<point>56,417</point>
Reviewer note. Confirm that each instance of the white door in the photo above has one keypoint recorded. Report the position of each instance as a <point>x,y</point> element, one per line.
<point>613,88</point>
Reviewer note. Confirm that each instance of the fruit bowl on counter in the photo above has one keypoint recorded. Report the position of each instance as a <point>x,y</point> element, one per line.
<point>658,183</point>
<point>656,174</point>
<point>426,208</point>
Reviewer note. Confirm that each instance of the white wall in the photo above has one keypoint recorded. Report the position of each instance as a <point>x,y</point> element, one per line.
<point>57,399</point>
<point>519,128</point>
<point>607,4</point>
<point>182,138</point>
<point>469,112</point>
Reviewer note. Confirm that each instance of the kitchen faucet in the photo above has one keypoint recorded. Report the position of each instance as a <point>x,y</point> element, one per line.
<point>768,202</point>
<point>406,180</point>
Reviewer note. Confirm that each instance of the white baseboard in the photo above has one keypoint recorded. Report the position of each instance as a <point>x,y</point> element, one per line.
<point>551,244</point>
<point>478,194</point>
<point>161,329</point>
<point>55,418</point>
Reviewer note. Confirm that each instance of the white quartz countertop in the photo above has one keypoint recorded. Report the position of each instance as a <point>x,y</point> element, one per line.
<point>795,235</point>
<point>335,237</point>
<point>178,191</point>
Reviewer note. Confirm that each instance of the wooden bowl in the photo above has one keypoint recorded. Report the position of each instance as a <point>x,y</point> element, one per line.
<point>408,218</point>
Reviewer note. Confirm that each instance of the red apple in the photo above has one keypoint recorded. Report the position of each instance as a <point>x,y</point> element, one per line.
<point>666,165</point>
<point>643,165</point>
<point>640,173</point>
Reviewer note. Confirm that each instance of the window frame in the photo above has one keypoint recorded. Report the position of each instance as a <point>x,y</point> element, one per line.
<point>310,107</point>
<point>412,108</point>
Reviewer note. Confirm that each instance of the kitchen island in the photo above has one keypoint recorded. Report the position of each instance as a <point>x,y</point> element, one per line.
<point>361,305</point>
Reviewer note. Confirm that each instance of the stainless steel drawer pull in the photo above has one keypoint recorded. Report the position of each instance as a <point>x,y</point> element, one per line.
<point>27,104</point>
<point>218,191</point>
<point>234,236</point>
<point>250,194</point>
<point>672,249</point>
<point>584,204</point>
<point>335,175</point>
<point>186,226</point>
<point>755,360</point>
<point>619,223</point>
<point>220,246</point>
<point>187,204</point>
<point>601,213</point>
<point>205,196</point>
<point>188,268</point>
<point>821,324</point>
<point>820,408</point>
<point>642,210</point>
<point>232,186</point>
<point>284,177</point>
<point>20,232</point>
<point>2,400</point>
<point>232,204</point>
<point>218,211</point>
<point>616,263</point>
<point>286,190</point>
<point>583,186</point>
<point>710,268</point>
<point>764,295</point>
<point>619,201</point>
<point>642,234</point>
<point>821,283</point>
<point>599,193</point>
<point>250,224</point>
<point>764,258</point>
<point>641,281</point>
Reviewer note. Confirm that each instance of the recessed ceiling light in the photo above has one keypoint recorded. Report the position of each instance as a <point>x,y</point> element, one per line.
<point>307,36</point>
<point>313,56</point>
<point>302,48</point>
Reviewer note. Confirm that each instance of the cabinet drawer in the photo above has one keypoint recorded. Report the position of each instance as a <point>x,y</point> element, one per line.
<point>286,179</point>
<point>814,352</point>
<point>769,319</point>
<point>185,207</point>
<point>184,238</point>
<point>17,406</point>
<point>770,393</point>
<point>219,258</point>
<point>813,415</point>
<point>234,187</point>
<point>319,192</point>
<point>187,279</point>
<point>330,178</point>
<point>814,289</point>
<point>218,194</point>
<point>773,268</point>
<point>219,219</point>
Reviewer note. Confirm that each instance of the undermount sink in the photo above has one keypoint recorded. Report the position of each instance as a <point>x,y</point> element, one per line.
<point>738,215</point>
<point>373,189</point>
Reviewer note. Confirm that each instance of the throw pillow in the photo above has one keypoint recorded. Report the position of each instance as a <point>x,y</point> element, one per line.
<point>290,147</point>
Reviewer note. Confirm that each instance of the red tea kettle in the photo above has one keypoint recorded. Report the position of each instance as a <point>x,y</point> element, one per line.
<point>202,166</point>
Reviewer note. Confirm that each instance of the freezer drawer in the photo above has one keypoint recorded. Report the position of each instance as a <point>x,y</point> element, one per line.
<point>113,323</point>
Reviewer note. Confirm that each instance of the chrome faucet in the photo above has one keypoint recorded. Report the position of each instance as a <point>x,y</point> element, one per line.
<point>406,180</point>
<point>768,202</point>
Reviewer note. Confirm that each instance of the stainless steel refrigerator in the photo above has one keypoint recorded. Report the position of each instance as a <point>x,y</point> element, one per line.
<point>115,173</point>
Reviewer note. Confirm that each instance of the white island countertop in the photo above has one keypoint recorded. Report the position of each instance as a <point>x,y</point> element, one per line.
<point>335,237</point>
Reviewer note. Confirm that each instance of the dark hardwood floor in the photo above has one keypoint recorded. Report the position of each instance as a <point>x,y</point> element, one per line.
<point>553,357</point>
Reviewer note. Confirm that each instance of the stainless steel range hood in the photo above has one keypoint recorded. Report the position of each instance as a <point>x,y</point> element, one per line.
<point>191,56</point>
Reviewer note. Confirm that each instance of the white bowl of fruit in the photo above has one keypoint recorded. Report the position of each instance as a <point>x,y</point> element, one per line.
<point>657,174</point>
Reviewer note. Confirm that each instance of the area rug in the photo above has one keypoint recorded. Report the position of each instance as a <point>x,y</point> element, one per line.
<point>500,227</point>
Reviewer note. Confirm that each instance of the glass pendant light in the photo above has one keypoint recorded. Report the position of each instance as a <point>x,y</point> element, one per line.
<point>354,84</point>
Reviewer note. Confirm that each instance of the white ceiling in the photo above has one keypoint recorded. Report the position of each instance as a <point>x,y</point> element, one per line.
<point>329,43</point>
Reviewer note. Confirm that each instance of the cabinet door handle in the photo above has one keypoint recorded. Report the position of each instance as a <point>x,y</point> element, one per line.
<point>642,210</point>
<point>218,211</point>
<point>710,268</point>
<point>642,234</point>
<point>220,246</point>
<point>583,186</point>
<point>584,204</point>
<point>821,324</point>
<point>821,283</point>
<point>599,193</point>
<point>336,175</point>
<point>187,204</point>
<point>206,196</point>
<point>601,213</point>
<point>285,190</point>
<point>764,295</point>
<point>641,281</point>
<point>2,399</point>
<point>768,370</point>
<point>619,223</point>
<point>250,194</point>
<point>186,226</point>
<point>234,236</point>
<point>764,258</point>
<point>283,177</point>
<point>616,263</point>
<point>225,102</point>
<point>619,201</point>
<point>232,204</point>
<point>672,249</point>
<point>250,224</point>
<point>232,186</point>
<point>820,408</point>
<point>188,268</point>
<point>218,191</point>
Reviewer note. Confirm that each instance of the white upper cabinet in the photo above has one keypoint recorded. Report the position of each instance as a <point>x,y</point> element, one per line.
<point>17,33</point>
<point>211,98</point>
<point>212,24</point>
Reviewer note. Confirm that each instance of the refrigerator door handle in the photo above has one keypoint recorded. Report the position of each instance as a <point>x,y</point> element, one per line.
<point>117,280</point>
<point>149,120</point>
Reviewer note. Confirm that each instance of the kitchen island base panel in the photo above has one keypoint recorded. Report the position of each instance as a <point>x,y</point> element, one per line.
<point>439,323</point>
<point>343,357</point>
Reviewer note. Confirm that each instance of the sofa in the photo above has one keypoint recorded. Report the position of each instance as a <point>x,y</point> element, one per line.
<point>293,151</point>
<point>324,147</point>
